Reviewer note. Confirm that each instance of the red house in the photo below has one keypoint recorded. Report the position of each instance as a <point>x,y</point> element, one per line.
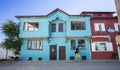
<point>104,28</point>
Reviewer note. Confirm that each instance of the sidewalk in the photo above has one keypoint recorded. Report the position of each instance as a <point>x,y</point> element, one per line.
<point>63,61</point>
<point>61,65</point>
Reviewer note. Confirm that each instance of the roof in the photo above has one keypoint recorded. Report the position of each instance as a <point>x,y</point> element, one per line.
<point>109,12</point>
<point>31,16</point>
<point>104,18</point>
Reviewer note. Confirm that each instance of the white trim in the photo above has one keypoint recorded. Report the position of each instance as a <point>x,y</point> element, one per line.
<point>96,26</point>
<point>109,46</point>
<point>101,36</point>
<point>116,26</point>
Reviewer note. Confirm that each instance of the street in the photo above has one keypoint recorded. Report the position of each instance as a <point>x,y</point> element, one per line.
<point>60,65</point>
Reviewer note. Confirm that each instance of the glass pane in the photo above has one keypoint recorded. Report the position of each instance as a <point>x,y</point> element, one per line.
<point>78,25</point>
<point>83,25</point>
<point>100,27</point>
<point>31,26</point>
<point>100,47</point>
<point>118,27</point>
<point>36,26</point>
<point>81,43</point>
<point>72,26</point>
<point>39,44</point>
<point>73,44</point>
<point>53,28</point>
<point>30,44</point>
<point>60,27</point>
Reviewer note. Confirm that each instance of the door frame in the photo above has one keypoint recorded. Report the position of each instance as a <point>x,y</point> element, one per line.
<point>53,55</point>
<point>60,53</point>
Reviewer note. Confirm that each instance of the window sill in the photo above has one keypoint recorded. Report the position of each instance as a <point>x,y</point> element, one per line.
<point>39,49</point>
<point>102,51</point>
<point>82,48</point>
<point>31,31</point>
<point>30,49</point>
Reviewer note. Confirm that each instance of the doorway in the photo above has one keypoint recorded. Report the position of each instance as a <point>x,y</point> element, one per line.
<point>53,52</point>
<point>62,53</point>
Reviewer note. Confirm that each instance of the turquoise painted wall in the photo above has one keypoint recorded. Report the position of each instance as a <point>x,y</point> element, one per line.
<point>45,53</point>
<point>43,28</point>
<point>57,38</point>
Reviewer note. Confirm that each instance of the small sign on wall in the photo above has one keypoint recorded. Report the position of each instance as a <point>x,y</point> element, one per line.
<point>110,30</point>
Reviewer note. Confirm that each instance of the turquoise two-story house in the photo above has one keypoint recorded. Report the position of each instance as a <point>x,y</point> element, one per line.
<point>54,36</point>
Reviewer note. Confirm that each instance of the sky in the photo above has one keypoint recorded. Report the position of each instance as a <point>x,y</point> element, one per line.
<point>10,8</point>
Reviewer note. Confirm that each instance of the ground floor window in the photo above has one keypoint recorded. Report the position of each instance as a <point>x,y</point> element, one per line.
<point>35,44</point>
<point>39,45</point>
<point>73,44</point>
<point>102,46</point>
<point>80,43</point>
<point>31,44</point>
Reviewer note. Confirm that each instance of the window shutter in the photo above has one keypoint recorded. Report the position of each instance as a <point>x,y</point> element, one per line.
<point>96,27</point>
<point>103,27</point>
<point>110,47</point>
<point>116,26</point>
<point>93,46</point>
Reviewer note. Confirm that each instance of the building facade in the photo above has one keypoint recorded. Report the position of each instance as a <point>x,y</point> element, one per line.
<point>105,29</point>
<point>5,54</point>
<point>55,36</point>
<point>117,2</point>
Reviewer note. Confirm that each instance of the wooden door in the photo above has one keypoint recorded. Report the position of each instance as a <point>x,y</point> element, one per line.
<point>62,53</point>
<point>53,52</point>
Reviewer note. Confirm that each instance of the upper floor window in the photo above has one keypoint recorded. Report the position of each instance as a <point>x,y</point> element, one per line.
<point>31,26</point>
<point>60,27</point>
<point>117,27</point>
<point>99,27</point>
<point>53,27</point>
<point>78,25</point>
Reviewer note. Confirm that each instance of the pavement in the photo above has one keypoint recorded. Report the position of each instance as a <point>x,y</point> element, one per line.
<point>61,65</point>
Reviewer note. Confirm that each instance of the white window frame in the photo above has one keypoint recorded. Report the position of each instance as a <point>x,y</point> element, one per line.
<point>39,44</point>
<point>97,28</point>
<point>28,27</point>
<point>31,44</point>
<point>116,26</point>
<point>109,47</point>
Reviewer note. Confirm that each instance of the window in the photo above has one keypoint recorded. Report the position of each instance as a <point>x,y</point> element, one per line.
<point>117,27</point>
<point>31,44</point>
<point>31,26</point>
<point>81,44</point>
<point>99,27</point>
<point>35,44</point>
<point>60,27</point>
<point>73,44</point>
<point>102,46</point>
<point>78,25</point>
<point>53,27</point>
<point>39,45</point>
